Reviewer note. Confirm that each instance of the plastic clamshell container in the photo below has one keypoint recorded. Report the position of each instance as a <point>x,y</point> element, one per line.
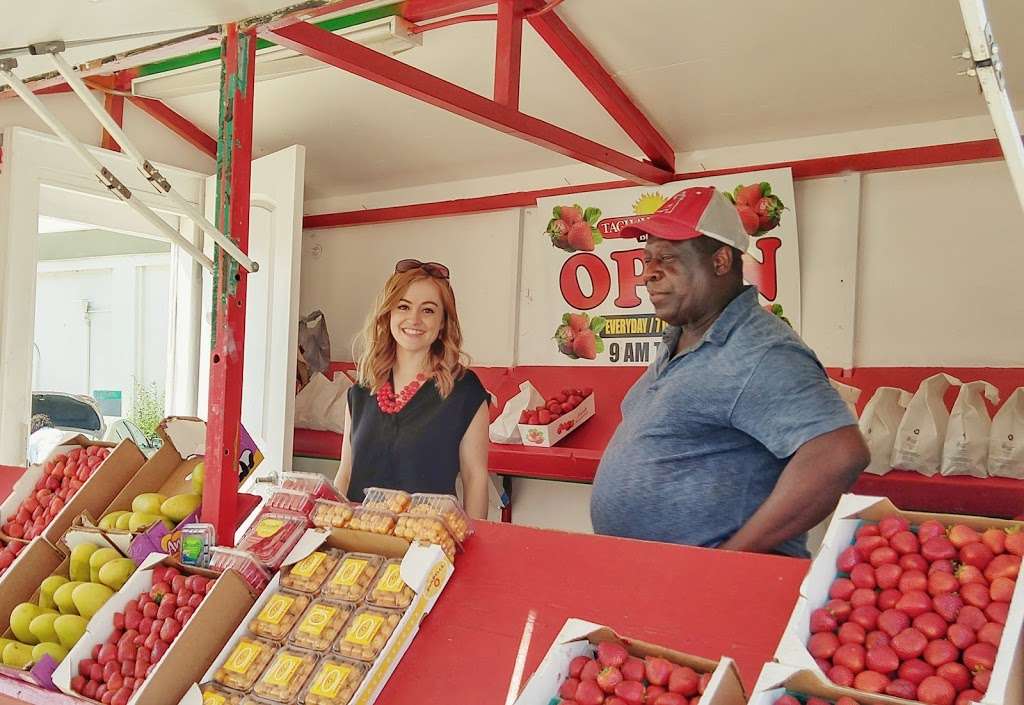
<point>286,675</point>
<point>245,663</point>
<point>196,542</point>
<point>334,682</point>
<point>353,576</point>
<point>272,536</point>
<point>222,559</point>
<point>311,483</point>
<point>448,508</point>
<point>328,514</point>
<point>389,590</point>
<point>373,520</point>
<point>279,615</point>
<point>321,624</point>
<point>284,500</point>
<point>214,694</point>
<point>367,633</point>
<point>396,501</point>
<point>309,574</point>
<point>253,700</point>
<point>426,527</point>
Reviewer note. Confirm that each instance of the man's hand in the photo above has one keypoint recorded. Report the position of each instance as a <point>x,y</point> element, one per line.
<point>807,491</point>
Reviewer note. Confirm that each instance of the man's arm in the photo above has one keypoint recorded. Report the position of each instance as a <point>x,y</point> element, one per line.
<point>809,488</point>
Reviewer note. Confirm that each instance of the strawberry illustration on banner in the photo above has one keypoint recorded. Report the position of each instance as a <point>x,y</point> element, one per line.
<point>571,228</point>
<point>583,280</point>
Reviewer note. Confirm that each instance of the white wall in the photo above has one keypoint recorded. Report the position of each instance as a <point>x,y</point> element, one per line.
<point>127,325</point>
<point>481,250</point>
<point>916,267</point>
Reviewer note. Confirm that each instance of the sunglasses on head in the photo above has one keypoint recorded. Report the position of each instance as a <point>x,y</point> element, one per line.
<point>434,269</point>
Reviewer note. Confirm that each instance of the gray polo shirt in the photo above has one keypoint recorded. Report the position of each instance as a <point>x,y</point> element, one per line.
<point>706,434</point>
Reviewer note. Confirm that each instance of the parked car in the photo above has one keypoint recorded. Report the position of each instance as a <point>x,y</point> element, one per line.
<point>58,415</point>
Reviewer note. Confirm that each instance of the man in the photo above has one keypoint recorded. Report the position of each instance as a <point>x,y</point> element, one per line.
<point>733,437</point>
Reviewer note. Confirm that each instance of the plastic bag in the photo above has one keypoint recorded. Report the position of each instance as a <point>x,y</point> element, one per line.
<point>923,428</point>
<point>965,451</point>
<point>505,428</point>
<point>315,342</point>
<point>879,423</point>
<point>848,394</point>
<point>320,405</point>
<point>1006,440</point>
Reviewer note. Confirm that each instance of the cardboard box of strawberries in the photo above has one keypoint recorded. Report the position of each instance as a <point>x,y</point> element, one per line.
<point>919,606</point>
<point>557,417</point>
<point>589,664</point>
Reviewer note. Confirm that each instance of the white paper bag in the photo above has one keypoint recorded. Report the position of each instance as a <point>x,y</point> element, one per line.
<point>505,428</point>
<point>848,394</point>
<point>1006,441</point>
<point>320,405</point>
<point>879,423</point>
<point>923,428</point>
<point>965,451</point>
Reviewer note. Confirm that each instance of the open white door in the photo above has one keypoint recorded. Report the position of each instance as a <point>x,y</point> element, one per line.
<point>40,176</point>
<point>272,308</point>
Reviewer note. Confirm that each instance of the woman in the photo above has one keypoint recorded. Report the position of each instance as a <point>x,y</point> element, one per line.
<point>418,416</point>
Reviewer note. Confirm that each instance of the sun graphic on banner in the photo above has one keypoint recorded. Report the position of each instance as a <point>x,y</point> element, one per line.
<point>648,203</point>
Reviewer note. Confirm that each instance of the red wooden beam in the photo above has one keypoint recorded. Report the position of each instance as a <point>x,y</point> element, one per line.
<point>114,105</point>
<point>508,53</point>
<point>177,123</point>
<point>909,158</point>
<point>234,167</point>
<point>579,59</point>
<point>391,73</point>
<point>422,10</point>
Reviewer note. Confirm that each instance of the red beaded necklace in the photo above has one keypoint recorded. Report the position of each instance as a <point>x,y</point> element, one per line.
<point>389,403</point>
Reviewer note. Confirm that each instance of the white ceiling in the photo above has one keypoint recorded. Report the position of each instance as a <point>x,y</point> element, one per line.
<point>709,73</point>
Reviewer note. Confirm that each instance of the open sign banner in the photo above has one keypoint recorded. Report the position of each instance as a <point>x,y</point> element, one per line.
<point>583,298</point>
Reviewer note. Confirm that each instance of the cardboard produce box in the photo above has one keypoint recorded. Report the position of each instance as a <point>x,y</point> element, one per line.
<point>545,436</point>
<point>167,472</point>
<point>94,495</point>
<point>777,679</point>
<point>191,652</point>
<point>580,638</point>
<point>1007,683</point>
<point>25,588</point>
<point>424,568</point>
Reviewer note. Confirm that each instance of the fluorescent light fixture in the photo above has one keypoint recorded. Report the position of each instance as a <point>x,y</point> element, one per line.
<point>388,35</point>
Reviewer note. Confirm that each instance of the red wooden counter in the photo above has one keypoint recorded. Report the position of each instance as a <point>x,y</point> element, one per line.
<point>705,602</point>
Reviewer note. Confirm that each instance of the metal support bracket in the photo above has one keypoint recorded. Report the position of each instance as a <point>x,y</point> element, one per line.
<point>151,173</point>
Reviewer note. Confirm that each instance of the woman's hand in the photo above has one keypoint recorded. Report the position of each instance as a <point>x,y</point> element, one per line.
<point>473,464</point>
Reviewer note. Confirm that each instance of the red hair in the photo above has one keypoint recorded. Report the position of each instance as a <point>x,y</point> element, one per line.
<point>448,363</point>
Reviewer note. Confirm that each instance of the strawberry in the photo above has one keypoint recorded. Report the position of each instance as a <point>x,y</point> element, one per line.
<point>748,195</point>
<point>558,230</point>
<point>571,214</point>
<point>585,345</point>
<point>769,212</point>
<point>578,322</point>
<point>581,237</point>
<point>564,335</point>
<point>544,417</point>
<point>749,218</point>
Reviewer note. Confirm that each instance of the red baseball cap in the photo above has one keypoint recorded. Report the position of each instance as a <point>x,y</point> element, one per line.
<point>691,213</point>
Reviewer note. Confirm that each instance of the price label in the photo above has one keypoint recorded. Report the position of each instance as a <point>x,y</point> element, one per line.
<point>363,630</point>
<point>308,565</point>
<point>331,679</point>
<point>349,572</point>
<point>275,609</point>
<point>318,618</point>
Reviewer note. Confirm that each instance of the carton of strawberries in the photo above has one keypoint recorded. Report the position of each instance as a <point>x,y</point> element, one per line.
<point>559,415</point>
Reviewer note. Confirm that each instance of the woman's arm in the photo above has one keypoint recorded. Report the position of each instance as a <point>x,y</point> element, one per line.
<point>473,464</point>
<point>344,476</point>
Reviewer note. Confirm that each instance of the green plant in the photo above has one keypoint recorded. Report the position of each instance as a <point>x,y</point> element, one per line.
<point>147,408</point>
